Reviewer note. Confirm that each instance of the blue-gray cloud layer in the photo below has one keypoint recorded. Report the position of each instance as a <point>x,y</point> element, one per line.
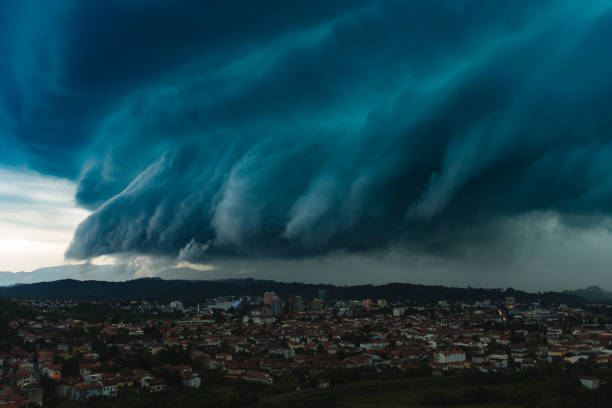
<point>294,128</point>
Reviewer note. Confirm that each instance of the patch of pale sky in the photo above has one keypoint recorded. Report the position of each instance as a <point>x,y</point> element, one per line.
<point>38,216</point>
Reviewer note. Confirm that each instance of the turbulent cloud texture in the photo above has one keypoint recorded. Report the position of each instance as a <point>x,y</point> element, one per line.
<point>292,129</point>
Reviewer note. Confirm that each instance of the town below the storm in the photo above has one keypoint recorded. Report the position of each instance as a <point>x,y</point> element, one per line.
<point>273,352</point>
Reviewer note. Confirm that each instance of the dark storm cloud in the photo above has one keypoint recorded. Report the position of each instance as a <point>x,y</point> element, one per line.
<point>262,129</point>
<point>69,62</point>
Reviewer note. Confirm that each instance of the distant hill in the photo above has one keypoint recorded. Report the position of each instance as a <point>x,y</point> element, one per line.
<point>190,290</point>
<point>82,271</point>
<point>88,271</point>
<point>593,294</point>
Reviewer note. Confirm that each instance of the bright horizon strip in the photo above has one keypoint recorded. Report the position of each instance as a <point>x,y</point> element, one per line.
<point>38,216</point>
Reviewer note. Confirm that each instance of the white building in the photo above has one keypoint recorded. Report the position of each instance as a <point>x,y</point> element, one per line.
<point>153,385</point>
<point>258,376</point>
<point>109,388</point>
<point>590,382</point>
<point>398,311</point>
<point>446,357</point>
<point>91,378</point>
<point>222,306</point>
<point>192,380</point>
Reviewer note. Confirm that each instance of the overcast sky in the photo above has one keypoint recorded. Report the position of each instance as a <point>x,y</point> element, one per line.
<point>38,216</point>
<point>442,141</point>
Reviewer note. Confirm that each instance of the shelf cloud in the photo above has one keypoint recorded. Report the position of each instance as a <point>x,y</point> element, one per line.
<point>276,130</point>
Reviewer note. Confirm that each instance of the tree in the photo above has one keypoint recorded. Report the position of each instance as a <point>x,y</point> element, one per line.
<point>70,367</point>
<point>517,337</point>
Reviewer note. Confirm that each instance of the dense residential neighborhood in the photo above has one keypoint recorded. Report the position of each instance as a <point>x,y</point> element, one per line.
<point>78,350</point>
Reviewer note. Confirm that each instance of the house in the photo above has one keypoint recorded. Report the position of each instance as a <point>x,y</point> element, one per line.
<point>63,348</point>
<point>258,376</point>
<point>8,398</point>
<point>234,374</point>
<point>358,361</point>
<point>154,385</point>
<point>125,382</point>
<point>24,377</point>
<point>54,371</point>
<point>285,352</point>
<point>65,385</point>
<point>398,311</point>
<point>589,382</point>
<point>452,356</point>
<point>88,368</point>
<point>323,383</point>
<point>182,370</point>
<point>91,356</point>
<point>498,362</point>
<point>293,345</point>
<point>109,387</point>
<point>223,356</point>
<point>374,345</point>
<point>192,380</point>
<point>156,349</point>
<point>83,392</point>
<point>527,363</point>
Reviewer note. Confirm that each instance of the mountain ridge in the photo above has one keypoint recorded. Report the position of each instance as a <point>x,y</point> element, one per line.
<point>198,290</point>
<point>592,293</point>
<point>110,273</point>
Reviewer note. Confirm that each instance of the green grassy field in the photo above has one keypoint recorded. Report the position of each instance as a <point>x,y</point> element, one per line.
<point>558,390</point>
<point>411,398</point>
<point>414,395</point>
<point>541,389</point>
<point>418,392</point>
<point>402,405</point>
